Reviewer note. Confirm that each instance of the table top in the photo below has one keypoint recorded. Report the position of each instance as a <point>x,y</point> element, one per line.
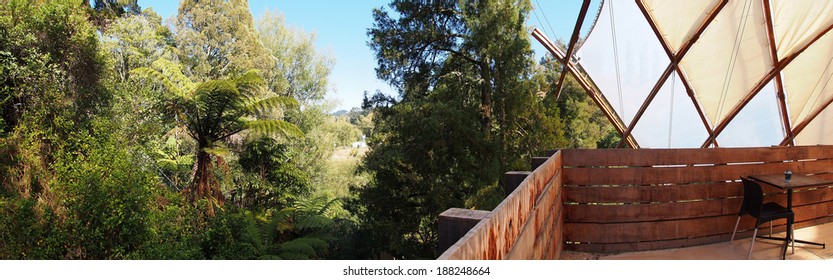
<point>797,181</point>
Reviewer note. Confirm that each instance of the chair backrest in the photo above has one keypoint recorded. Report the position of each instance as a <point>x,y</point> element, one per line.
<point>753,198</point>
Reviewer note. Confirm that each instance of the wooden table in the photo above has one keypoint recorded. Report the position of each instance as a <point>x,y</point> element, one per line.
<point>796,182</point>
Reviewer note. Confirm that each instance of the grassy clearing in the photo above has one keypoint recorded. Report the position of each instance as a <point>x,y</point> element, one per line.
<point>340,172</point>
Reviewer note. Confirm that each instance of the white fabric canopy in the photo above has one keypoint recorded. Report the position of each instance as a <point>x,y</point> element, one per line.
<point>729,70</point>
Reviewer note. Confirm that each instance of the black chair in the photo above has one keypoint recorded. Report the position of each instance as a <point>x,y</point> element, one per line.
<point>753,204</point>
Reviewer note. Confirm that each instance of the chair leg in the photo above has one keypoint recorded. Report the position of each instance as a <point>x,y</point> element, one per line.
<point>792,237</point>
<point>754,234</point>
<point>770,228</point>
<point>736,229</point>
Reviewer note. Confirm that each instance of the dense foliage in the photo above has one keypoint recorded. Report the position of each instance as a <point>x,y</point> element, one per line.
<point>121,138</point>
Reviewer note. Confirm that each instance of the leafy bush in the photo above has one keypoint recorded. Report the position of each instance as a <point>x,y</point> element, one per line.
<point>28,231</point>
<point>233,234</point>
<point>106,197</point>
<point>274,179</point>
<point>173,227</point>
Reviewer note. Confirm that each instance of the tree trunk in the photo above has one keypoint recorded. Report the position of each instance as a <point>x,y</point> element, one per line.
<point>486,97</point>
<point>201,186</point>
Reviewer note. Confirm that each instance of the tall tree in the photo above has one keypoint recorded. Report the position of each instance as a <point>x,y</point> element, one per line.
<point>300,71</point>
<point>467,112</point>
<point>217,38</point>
<point>117,7</point>
<point>104,12</point>
<point>136,41</point>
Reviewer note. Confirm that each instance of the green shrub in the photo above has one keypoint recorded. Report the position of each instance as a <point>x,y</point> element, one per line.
<point>234,235</point>
<point>28,231</point>
<point>106,197</point>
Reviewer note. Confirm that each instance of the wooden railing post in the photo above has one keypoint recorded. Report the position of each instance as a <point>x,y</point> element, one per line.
<point>513,179</point>
<point>454,223</point>
<point>538,161</point>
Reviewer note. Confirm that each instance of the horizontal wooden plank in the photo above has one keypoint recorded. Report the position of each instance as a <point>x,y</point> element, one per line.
<point>614,248</point>
<point>684,175</point>
<point>651,157</point>
<point>631,194</point>
<point>651,231</point>
<point>804,197</point>
<point>677,229</point>
<point>813,211</point>
<point>586,213</point>
<point>612,213</point>
<point>809,152</point>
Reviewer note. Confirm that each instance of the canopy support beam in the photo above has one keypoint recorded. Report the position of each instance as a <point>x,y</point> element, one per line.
<point>571,48</point>
<point>673,65</point>
<point>768,77</point>
<point>779,85</point>
<point>599,99</point>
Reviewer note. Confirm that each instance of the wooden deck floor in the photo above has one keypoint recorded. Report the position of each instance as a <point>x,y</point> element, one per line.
<point>764,249</point>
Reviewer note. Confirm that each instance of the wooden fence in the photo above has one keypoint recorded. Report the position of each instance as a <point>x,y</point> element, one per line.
<point>528,224</point>
<point>645,199</point>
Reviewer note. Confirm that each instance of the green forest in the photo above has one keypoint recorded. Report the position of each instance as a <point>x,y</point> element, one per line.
<point>213,136</point>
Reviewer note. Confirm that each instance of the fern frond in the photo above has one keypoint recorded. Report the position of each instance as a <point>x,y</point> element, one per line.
<point>218,151</point>
<point>308,247</point>
<point>298,246</point>
<point>250,84</point>
<point>312,222</point>
<point>325,209</point>
<point>270,103</point>
<point>274,127</point>
<point>281,219</point>
<point>293,256</point>
<point>174,72</point>
<point>156,76</point>
<point>316,243</point>
<point>184,160</point>
<point>166,162</point>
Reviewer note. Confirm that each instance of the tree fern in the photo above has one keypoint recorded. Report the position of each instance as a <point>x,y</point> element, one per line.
<point>310,225</point>
<point>214,110</point>
<point>312,222</point>
<point>303,248</point>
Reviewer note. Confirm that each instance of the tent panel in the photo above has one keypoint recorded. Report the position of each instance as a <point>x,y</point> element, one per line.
<point>807,80</point>
<point>757,125</point>
<point>729,59</point>
<point>818,131</point>
<point>798,22</point>
<point>671,110</point>
<point>677,20</point>
<point>641,58</point>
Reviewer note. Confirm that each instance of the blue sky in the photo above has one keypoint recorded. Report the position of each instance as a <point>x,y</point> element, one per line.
<point>341,28</point>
